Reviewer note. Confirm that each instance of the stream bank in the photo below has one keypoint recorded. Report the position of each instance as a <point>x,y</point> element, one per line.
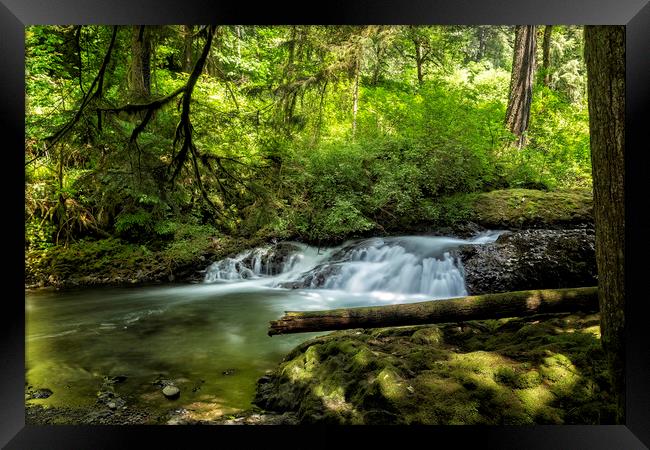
<point>186,253</point>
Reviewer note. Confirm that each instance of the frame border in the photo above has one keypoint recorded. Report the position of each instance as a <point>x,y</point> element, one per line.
<point>635,14</point>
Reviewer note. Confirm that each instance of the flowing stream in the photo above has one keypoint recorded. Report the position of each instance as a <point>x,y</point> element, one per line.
<point>210,339</point>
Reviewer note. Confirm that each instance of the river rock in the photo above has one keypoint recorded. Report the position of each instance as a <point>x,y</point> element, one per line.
<point>531,259</point>
<point>41,393</point>
<point>315,278</point>
<point>117,379</point>
<point>171,392</point>
<point>274,260</point>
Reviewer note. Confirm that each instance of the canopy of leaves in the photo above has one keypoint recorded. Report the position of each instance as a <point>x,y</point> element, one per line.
<point>313,132</point>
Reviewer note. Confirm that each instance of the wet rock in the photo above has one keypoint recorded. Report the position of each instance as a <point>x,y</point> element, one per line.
<point>162,382</point>
<point>315,278</point>
<point>171,392</point>
<point>267,418</point>
<point>274,261</point>
<point>197,386</point>
<point>41,393</point>
<point>531,259</point>
<point>105,396</point>
<point>118,379</point>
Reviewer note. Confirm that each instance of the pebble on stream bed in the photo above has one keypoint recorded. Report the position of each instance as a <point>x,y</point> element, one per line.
<point>171,392</point>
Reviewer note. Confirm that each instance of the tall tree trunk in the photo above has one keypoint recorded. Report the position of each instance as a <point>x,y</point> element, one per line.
<point>188,40</point>
<point>482,42</point>
<point>521,82</point>
<point>140,73</point>
<point>376,72</point>
<point>419,61</point>
<point>605,59</point>
<point>238,32</point>
<point>546,52</point>
<point>355,102</point>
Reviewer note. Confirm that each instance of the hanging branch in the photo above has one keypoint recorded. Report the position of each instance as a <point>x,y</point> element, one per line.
<point>184,128</point>
<point>90,95</point>
<point>94,93</point>
<point>150,108</point>
<point>77,40</point>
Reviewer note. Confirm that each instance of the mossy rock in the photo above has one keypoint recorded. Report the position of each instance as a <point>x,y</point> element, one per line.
<point>433,375</point>
<point>430,335</point>
<point>519,208</point>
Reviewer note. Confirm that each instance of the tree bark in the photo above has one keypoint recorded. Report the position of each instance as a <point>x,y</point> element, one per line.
<point>521,82</point>
<point>188,39</point>
<point>605,59</point>
<point>355,100</point>
<point>481,36</point>
<point>419,61</point>
<point>140,71</point>
<point>478,307</point>
<point>546,54</point>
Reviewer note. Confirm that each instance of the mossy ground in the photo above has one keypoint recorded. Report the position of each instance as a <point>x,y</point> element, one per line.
<point>519,208</point>
<point>115,261</point>
<point>539,370</point>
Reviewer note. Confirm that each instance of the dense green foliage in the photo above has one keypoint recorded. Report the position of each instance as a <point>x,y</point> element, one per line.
<point>310,132</point>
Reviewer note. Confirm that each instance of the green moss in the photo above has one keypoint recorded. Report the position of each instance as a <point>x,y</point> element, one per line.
<point>529,379</point>
<point>525,207</point>
<point>431,375</point>
<point>431,335</point>
<point>391,384</point>
<point>506,375</point>
<point>364,359</point>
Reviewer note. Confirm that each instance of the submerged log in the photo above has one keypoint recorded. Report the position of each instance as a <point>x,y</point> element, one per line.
<point>477,307</point>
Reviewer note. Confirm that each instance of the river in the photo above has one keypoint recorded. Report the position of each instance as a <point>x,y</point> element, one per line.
<point>210,339</point>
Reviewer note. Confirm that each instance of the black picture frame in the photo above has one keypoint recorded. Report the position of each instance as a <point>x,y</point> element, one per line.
<point>634,14</point>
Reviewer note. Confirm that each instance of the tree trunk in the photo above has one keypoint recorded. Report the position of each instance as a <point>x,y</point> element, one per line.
<point>482,42</point>
<point>605,59</point>
<point>546,54</point>
<point>238,31</point>
<point>355,102</point>
<point>419,61</point>
<point>521,82</point>
<point>140,72</point>
<point>376,72</point>
<point>188,32</point>
<point>478,307</point>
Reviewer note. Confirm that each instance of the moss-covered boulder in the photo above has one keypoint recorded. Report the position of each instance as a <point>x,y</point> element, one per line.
<point>465,214</point>
<point>509,371</point>
<point>529,208</point>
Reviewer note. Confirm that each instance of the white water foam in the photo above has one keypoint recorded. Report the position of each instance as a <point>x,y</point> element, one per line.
<point>414,265</point>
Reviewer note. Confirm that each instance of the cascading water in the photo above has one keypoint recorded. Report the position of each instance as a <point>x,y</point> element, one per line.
<point>255,263</point>
<point>403,265</point>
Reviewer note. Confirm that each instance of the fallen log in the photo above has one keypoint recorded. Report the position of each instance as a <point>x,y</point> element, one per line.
<point>477,307</point>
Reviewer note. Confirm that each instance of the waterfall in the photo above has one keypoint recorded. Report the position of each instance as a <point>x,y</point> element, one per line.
<point>423,265</point>
<point>255,263</point>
